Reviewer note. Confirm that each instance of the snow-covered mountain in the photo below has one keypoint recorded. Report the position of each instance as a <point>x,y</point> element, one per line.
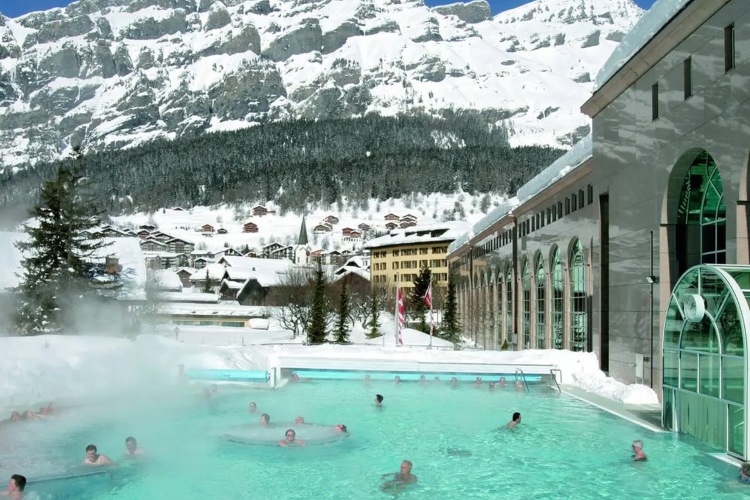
<point>108,74</point>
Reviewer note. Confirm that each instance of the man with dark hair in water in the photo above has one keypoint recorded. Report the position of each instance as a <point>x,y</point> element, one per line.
<point>16,485</point>
<point>264,419</point>
<point>132,449</point>
<point>378,400</point>
<point>93,458</point>
<point>399,480</point>
<point>516,420</point>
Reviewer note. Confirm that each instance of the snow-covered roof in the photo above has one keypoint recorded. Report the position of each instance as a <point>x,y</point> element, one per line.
<point>232,285</point>
<point>428,233</point>
<point>224,308</point>
<point>166,279</point>
<point>212,271</point>
<point>190,296</point>
<point>644,30</point>
<point>568,162</point>
<point>344,271</point>
<point>577,156</point>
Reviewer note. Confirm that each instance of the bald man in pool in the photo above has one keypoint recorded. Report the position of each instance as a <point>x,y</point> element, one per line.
<point>399,480</point>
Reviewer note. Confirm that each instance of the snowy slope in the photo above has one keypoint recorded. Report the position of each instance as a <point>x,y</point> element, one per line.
<point>109,74</point>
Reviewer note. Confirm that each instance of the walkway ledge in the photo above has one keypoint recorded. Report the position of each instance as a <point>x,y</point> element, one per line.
<point>614,407</point>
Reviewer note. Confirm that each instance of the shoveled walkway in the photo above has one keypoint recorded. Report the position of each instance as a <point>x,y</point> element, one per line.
<point>647,416</point>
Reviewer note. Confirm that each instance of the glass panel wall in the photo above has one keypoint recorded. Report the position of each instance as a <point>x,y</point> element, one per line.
<point>541,326</point>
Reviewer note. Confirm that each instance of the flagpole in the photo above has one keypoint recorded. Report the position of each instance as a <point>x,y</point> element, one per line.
<point>397,316</point>
<point>432,322</point>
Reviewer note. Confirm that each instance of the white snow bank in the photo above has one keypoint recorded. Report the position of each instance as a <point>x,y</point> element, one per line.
<point>68,368</point>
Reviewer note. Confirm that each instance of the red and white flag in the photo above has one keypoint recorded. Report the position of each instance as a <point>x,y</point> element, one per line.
<point>428,296</point>
<point>401,315</point>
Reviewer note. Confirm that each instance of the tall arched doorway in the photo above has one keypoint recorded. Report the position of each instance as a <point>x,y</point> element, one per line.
<point>578,299</point>
<point>509,329</point>
<point>526,304</point>
<point>541,324</point>
<point>701,216</point>
<point>557,295</point>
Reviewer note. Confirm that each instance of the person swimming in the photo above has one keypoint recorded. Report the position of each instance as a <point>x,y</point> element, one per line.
<point>132,449</point>
<point>339,428</point>
<point>290,439</point>
<point>399,480</point>
<point>299,420</point>
<point>252,407</point>
<point>519,385</point>
<point>397,380</point>
<point>16,485</point>
<point>422,380</point>
<point>501,382</point>
<point>515,421</point>
<point>378,400</point>
<point>265,419</point>
<point>478,382</point>
<point>454,382</point>
<point>492,386</point>
<point>638,454</point>
<point>94,459</point>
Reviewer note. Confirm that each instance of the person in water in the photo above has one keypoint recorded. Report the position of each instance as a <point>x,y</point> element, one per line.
<point>397,379</point>
<point>132,449</point>
<point>501,382</point>
<point>454,382</point>
<point>519,385</point>
<point>478,382</point>
<point>340,428</point>
<point>299,420</point>
<point>265,419</point>
<point>638,454</point>
<point>252,407</point>
<point>93,458</point>
<point>397,481</point>
<point>745,473</point>
<point>422,380</point>
<point>290,439</point>
<point>16,485</point>
<point>515,421</point>
<point>378,400</point>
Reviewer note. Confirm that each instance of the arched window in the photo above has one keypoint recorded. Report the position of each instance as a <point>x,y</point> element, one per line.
<point>509,304</point>
<point>578,300</point>
<point>526,315</point>
<point>701,229</point>
<point>558,294</point>
<point>541,278</point>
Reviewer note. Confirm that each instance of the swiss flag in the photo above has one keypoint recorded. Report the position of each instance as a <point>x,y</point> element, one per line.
<point>428,296</point>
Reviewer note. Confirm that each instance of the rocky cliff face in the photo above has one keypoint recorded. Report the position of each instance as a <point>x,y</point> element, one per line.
<point>115,73</point>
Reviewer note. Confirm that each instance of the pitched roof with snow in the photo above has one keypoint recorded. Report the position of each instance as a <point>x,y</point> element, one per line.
<point>214,272</point>
<point>167,279</point>
<point>428,233</point>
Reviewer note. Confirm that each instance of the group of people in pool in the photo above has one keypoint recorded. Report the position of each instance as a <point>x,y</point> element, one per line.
<point>43,412</point>
<point>94,458</point>
<point>290,436</point>
<point>17,483</point>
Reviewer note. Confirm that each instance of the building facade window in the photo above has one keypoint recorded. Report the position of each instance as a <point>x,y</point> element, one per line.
<point>558,304</point>
<point>541,326</point>
<point>655,101</point>
<point>687,68</point>
<point>509,303</point>
<point>578,300</point>
<point>729,60</point>
<point>526,312</point>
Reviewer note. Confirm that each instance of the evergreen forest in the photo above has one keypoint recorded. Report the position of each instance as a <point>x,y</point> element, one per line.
<point>299,163</point>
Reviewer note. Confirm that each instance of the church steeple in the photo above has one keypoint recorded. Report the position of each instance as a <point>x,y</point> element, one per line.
<point>302,239</point>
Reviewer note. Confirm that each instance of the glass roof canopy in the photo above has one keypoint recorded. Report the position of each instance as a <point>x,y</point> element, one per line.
<point>705,359</point>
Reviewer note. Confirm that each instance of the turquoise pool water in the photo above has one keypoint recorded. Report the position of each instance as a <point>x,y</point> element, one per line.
<point>455,438</point>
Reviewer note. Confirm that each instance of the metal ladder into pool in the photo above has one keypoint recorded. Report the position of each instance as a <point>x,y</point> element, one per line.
<point>552,372</point>
<point>523,377</point>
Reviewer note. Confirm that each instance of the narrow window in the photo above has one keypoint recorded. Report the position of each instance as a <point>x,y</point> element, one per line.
<point>581,199</point>
<point>729,48</point>
<point>655,101</point>
<point>590,194</point>
<point>688,77</point>
<point>567,206</point>
<point>559,209</point>
<point>573,202</point>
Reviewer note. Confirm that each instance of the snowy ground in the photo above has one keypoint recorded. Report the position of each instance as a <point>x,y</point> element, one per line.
<point>74,369</point>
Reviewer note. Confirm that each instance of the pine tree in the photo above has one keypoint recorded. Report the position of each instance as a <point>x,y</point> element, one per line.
<point>374,315</point>
<point>450,329</point>
<point>416,298</point>
<point>342,325</point>
<point>316,331</point>
<point>57,262</point>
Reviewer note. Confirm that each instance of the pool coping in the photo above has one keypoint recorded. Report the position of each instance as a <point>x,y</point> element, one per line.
<point>610,406</point>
